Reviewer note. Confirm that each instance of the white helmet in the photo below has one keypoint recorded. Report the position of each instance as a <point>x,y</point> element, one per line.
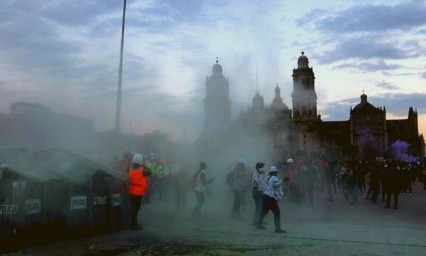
<point>289,160</point>
<point>242,161</point>
<point>137,159</point>
<point>273,169</point>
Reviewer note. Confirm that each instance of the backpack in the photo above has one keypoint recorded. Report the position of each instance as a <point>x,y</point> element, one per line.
<point>193,182</point>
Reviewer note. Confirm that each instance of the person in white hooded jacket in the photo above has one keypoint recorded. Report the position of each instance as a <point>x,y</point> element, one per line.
<point>272,193</point>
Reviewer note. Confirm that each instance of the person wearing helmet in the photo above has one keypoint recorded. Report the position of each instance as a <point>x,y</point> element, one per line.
<point>293,172</point>
<point>258,186</point>
<point>137,188</point>
<point>271,195</point>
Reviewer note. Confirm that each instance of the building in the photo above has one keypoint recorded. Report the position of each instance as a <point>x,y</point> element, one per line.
<point>367,133</point>
<point>217,104</point>
<point>34,125</point>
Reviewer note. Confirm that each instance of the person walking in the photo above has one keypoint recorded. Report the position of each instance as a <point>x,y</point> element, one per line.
<point>351,184</point>
<point>258,187</point>
<point>392,186</point>
<point>330,178</point>
<point>271,195</point>
<point>310,177</point>
<point>137,188</point>
<point>238,183</point>
<point>200,188</point>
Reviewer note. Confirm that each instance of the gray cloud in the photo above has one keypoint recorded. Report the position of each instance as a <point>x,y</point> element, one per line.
<point>69,13</point>
<point>423,75</point>
<point>406,15</point>
<point>387,86</point>
<point>368,46</point>
<point>369,66</point>
<point>31,42</point>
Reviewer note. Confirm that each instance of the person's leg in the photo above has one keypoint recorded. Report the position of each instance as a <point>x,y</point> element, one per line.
<point>266,206</point>
<point>310,192</point>
<point>133,211</point>
<point>292,192</point>
<point>329,192</point>
<point>277,216</point>
<point>135,204</point>
<point>382,187</point>
<point>388,199</point>
<point>235,204</point>
<point>178,198</point>
<point>410,187</point>
<point>257,197</point>
<point>200,202</point>
<point>375,194</point>
<point>238,202</point>
<point>395,199</point>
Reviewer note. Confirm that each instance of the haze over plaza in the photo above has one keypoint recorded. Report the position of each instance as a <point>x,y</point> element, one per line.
<point>64,54</point>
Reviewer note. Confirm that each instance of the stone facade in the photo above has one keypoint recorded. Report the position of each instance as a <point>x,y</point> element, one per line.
<point>366,134</point>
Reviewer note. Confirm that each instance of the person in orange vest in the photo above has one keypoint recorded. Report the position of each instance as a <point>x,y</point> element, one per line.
<point>137,188</point>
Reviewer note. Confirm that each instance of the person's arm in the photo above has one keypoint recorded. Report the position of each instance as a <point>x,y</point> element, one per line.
<point>276,183</point>
<point>146,171</point>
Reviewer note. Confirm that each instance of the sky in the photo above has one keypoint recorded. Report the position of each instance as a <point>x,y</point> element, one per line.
<point>65,54</point>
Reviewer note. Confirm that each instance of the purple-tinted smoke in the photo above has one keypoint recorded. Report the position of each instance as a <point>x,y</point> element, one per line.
<point>399,151</point>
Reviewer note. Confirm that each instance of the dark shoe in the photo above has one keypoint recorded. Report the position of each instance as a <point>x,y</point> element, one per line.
<point>260,227</point>
<point>279,230</point>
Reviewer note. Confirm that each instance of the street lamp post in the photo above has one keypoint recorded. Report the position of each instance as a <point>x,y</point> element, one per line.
<point>120,75</point>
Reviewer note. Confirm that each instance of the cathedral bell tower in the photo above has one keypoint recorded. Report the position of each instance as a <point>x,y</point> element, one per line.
<point>217,105</point>
<point>305,107</point>
<point>304,95</point>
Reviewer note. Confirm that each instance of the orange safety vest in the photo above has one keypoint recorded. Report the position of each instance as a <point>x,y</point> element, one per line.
<point>137,182</point>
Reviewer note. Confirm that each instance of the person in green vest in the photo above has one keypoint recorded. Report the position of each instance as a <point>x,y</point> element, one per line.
<point>162,175</point>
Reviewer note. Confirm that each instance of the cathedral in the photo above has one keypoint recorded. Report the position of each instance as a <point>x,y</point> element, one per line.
<point>366,135</point>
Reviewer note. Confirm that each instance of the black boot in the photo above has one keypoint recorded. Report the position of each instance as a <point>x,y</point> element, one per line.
<point>279,230</point>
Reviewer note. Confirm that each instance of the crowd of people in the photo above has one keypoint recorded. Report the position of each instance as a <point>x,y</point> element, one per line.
<point>297,180</point>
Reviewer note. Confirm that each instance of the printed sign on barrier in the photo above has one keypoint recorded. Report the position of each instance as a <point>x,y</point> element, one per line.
<point>8,208</point>
<point>32,206</point>
<point>100,200</point>
<point>116,200</point>
<point>78,202</point>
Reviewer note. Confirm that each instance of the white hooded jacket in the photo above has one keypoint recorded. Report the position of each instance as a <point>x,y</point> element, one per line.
<point>273,187</point>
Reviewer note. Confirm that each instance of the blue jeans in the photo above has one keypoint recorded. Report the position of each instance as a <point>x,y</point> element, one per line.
<point>257,196</point>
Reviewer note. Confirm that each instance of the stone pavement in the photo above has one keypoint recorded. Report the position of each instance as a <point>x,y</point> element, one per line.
<point>328,228</point>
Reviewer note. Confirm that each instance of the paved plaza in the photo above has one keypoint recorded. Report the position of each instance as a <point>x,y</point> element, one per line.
<point>328,228</point>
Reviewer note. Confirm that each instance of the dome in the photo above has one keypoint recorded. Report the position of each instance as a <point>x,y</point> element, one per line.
<point>217,68</point>
<point>303,61</point>
<point>364,106</point>
<point>278,103</point>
